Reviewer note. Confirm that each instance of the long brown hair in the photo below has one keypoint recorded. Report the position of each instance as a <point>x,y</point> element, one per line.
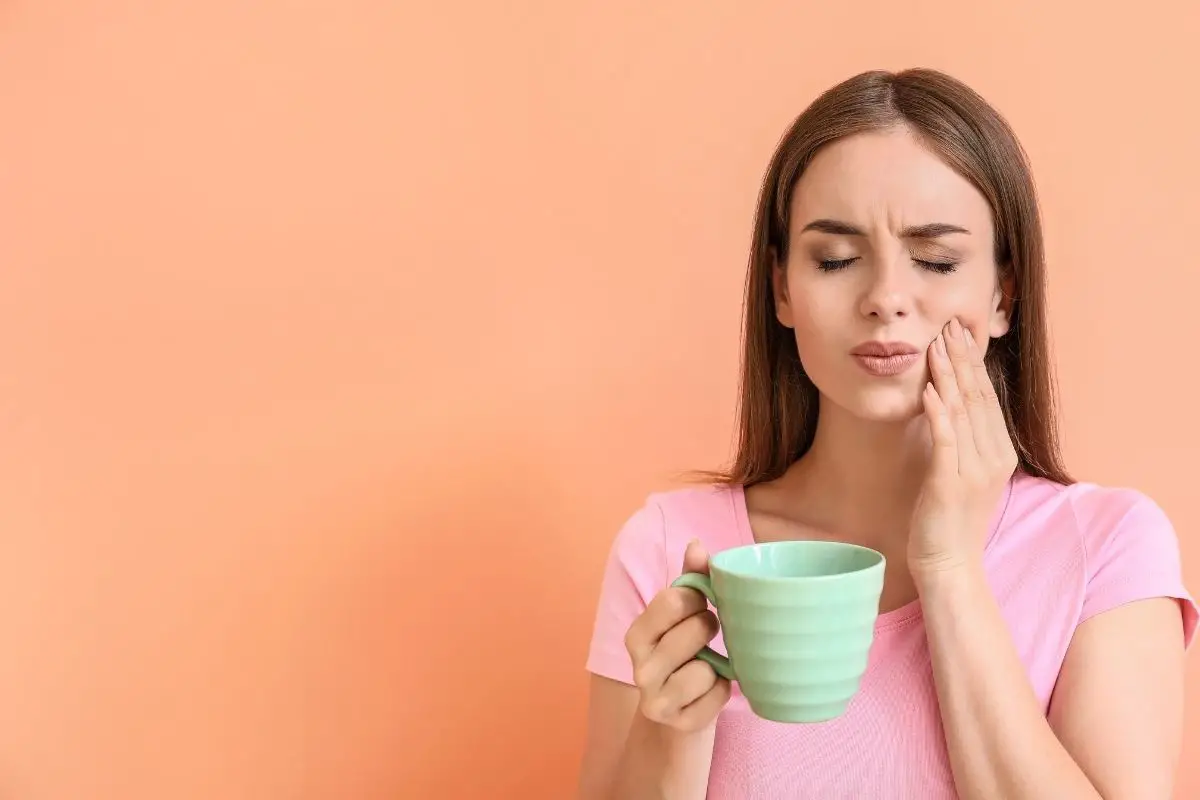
<point>778,402</point>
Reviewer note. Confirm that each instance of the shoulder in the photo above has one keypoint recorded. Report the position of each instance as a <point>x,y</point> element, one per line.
<point>1125,542</point>
<point>1112,520</point>
<point>1094,514</point>
<point>1112,532</point>
<point>646,554</point>
<point>662,526</point>
<point>1122,529</point>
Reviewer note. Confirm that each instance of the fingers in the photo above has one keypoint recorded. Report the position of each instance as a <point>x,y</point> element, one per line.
<point>982,379</point>
<point>946,384</point>
<point>699,713</point>
<point>945,449</point>
<point>1002,445</point>
<point>974,398</point>
<point>669,607</point>
<point>963,391</point>
<point>695,557</point>
<point>691,694</point>
<point>676,688</point>
<point>676,648</point>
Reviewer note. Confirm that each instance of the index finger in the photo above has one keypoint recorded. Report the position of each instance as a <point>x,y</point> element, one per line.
<point>667,609</point>
<point>982,378</point>
<point>999,422</point>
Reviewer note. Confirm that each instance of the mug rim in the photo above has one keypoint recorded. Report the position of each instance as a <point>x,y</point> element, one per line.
<point>880,561</point>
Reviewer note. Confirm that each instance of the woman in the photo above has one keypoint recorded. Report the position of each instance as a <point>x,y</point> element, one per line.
<point>896,393</point>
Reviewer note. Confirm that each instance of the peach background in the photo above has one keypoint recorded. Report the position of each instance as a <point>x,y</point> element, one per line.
<point>339,338</point>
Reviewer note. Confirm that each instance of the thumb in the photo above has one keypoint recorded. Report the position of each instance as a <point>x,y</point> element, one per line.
<point>695,557</point>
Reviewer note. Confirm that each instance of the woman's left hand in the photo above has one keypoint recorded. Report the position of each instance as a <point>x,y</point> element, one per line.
<point>973,457</point>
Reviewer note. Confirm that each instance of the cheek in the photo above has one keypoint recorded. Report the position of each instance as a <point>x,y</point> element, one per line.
<point>971,301</point>
<point>816,321</point>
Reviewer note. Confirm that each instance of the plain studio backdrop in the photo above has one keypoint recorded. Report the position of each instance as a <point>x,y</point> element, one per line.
<point>340,337</point>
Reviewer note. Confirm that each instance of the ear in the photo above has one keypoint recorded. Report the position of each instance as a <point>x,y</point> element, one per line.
<point>1002,306</point>
<point>783,304</point>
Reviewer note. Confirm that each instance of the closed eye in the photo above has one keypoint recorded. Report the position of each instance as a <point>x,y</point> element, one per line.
<point>832,265</point>
<point>942,267</point>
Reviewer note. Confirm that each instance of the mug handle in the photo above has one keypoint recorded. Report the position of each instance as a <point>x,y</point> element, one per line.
<point>703,584</point>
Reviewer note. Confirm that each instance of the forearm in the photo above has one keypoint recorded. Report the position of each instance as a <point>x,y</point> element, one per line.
<point>660,763</point>
<point>1000,744</point>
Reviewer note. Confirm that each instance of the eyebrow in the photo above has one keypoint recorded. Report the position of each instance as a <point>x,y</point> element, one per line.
<point>931,230</point>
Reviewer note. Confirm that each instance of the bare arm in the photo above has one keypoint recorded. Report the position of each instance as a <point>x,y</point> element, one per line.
<point>1115,725</point>
<point>654,741</point>
<point>1118,705</point>
<point>1113,731</point>
<point>628,756</point>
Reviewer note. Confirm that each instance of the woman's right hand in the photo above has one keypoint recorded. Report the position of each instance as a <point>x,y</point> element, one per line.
<point>677,689</point>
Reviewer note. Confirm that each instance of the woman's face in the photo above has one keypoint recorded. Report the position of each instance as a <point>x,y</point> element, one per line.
<point>887,244</point>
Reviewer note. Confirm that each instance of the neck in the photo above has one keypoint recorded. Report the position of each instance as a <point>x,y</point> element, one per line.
<point>862,478</point>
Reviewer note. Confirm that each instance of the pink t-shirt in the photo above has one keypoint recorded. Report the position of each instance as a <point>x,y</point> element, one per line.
<point>1055,556</point>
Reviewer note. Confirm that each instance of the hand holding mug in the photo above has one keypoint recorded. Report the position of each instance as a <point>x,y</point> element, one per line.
<point>677,689</point>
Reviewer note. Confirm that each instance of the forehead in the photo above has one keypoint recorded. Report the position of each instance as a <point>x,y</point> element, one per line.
<point>887,176</point>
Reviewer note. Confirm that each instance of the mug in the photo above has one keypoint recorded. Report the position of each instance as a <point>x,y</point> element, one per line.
<point>798,620</point>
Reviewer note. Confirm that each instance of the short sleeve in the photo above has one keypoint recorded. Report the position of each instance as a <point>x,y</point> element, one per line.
<point>1132,554</point>
<point>636,570</point>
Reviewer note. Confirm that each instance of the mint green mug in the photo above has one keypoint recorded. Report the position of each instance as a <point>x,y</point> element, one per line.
<point>798,620</point>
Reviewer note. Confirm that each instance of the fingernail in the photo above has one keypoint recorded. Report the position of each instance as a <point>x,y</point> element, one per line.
<point>941,345</point>
<point>970,339</point>
<point>956,330</point>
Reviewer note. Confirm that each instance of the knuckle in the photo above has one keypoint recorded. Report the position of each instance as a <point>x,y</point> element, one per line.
<point>688,684</point>
<point>721,691</point>
<point>632,639</point>
<point>636,639</point>
<point>648,710</point>
<point>973,472</point>
<point>644,675</point>
<point>705,679</point>
<point>693,601</point>
<point>660,707</point>
<point>690,677</point>
<point>677,601</point>
<point>707,708</point>
<point>700,629</point>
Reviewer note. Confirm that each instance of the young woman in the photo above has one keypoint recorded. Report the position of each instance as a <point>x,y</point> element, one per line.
<point>897,394</point>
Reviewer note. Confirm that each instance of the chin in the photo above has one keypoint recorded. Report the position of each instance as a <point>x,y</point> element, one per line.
<point>885,404</point>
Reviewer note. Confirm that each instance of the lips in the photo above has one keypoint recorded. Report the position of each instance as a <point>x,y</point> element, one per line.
<point>884,349</point>
<point>886,359</point>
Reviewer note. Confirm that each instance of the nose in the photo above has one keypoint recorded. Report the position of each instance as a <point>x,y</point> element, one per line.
<point>887,295</point>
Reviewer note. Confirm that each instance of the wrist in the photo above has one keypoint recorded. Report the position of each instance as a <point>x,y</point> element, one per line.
<point>939,575</point>
<point>661,745</point>
<point>657,734</point>
<point>660,761</point>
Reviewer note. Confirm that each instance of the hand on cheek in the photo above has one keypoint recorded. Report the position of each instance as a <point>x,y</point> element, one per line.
<point>972,459</point>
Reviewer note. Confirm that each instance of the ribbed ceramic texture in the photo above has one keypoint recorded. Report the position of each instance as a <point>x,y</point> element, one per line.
<point>799,645</point>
